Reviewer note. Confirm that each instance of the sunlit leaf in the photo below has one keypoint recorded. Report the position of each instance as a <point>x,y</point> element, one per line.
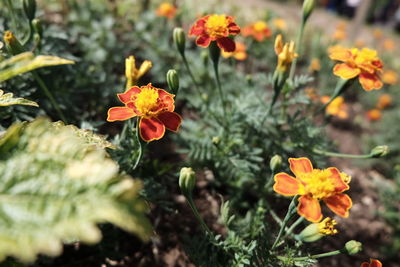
<point>9,100</point>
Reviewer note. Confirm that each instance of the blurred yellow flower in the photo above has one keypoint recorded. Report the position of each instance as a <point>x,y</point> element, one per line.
<point>337,107</point>
<point>315,65</point>
<point>166,10</point>
<point>339,35</point>
<point>285,52</point>
<point>389,77</point>
<point>239,53</point>
<point>388,45</point>
<point>384,101</point>
<point>311,93</point>
<point>374,114</point>
<point>280,24</point>
<point>132,73</point>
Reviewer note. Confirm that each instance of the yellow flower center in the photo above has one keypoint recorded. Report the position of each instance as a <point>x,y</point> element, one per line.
<point>327,227</point>
<point>318,183</point>
<point>259,26</point>
<point>146,100</point>
<point>165,8</point>
<point>217,26</point>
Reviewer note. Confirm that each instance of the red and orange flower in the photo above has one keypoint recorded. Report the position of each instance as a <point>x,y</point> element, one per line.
<point>259,30</point>
<point>154,106</point>
<point>239,53</point>
<point>216,28</point>
<point>374,114</point>
<point>362,63</point>
<point>166,10</point>
<point>314,185</point>
<point>372,263</point>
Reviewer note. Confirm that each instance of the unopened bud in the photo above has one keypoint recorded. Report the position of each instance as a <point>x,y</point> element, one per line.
<point>29,8</point>
<point>173,81</point>
<point>187,181</point>
<point>352,247</point>
<point>12,44</point>
<point>37,26</point>
<point>379,151</point>
<point>179,40</point>
<point>275,163</point>
<point>308,7</point>
<point>316,231</point>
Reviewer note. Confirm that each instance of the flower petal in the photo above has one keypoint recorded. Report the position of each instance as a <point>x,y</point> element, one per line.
<point>151,129</point>
<point>226,44</point>
<point>300,165</point>
<point>340,53</point>
<point>375,263</point>
<point>286,185</point>
<point>364,264</point>
<point>233,28</point>
<point>345,71</point>
<point>337,180</point>
<point>370,81</point>
<point>309,208</point>
<point>127,96</point>
<point>120,114</point>
<point>339,204</point>
<point>203,40</point>
<point>167,100</point>
<point>171,120</point>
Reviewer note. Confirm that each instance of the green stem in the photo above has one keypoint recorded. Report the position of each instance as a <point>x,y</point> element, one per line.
<point>216,72</point>
<point>185,62</point>
<point>341,86</point>
<point>292,227</point>
<point>49,95</point>
<point>297,49</point>
<point>290,212</point>
<point>139,157</point>
<point>196,214</point>
<point>269,183</point>
<point>316,256</point>
<point>340,155</point>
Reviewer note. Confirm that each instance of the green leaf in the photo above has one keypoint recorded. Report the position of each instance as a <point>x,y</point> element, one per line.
<point>26,62</point>
<point>56,187</point>
<point>9,100</point>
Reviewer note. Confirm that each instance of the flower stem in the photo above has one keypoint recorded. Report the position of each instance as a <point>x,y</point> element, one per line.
<point>196,213</point>
<point>293,226</point>
<point>139,157</point>
<point>316,256</point>
<point>185,62</point>
<point>340,155</point>
<point>290,212</point>
<point>215,60</point>
<point>341,86</point>
<point>299,38</point>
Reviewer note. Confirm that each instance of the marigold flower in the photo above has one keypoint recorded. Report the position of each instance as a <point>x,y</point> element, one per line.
<point>359,43</point>
<point>132,73</point>
<point>315,65</point>
<point>337,107</point>
<point>327,226</point>
<point>217,28</point>
<point>154,106</point>
<point>279,24</point>
<point>389,77</point>
<point>316,231</point>
<point>285,52</point>
<point>258,30</point>
<point>362,63</point>
<point>339,35</point>
<point>239,53</point>
<point>374,114</point>
<point>166,10</point>
<point>314,185</point>
<point>384,101</point>
<point>311,93</point>
<point>372,263</point>
<point>378,34</point>
<point>389,45</point>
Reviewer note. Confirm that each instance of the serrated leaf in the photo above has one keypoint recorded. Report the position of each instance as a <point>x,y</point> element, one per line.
<point>8,99</point>
<point>26,62</point>
<point>56,188</point>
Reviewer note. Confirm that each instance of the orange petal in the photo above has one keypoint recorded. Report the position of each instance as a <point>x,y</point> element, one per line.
<point>309,208</point>
<point>337,180</point>
<point>340,53</point>
<point>345,71</point>
<point>120,114</point>
<point>171,120</point>
<point>339,204</point>
<point>375,263</point>
<point>370,81</point>
<point>300,165</point>
<point>151,129</point>
<point>127,96</point>
<point>286,185</point>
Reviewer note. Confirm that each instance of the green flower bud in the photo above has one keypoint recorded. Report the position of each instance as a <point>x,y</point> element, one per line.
<point>12,44</point>
<point>37,27</point>
<point>215,140</point>
<point>379,151</point>
<point>316,231</point>
<point>173,81</point>
<point>249,79</point>
<point>352,247</point>
<point>179,40</point>
<point>187,181</point>
<point>215,52</point>
<point>308,7</point>
<point>29,8</point>
<point>275,163</point>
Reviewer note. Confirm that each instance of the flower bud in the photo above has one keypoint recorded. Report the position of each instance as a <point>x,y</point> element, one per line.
<point>187,181</point>
<point>275,163</point>
<point>379,151</point>
<point>179,40</point>
<point>173,81</point>
<point>215,52</point>
<point>308,7</point>
<point>249,79</point>
<point>29,8</point>
<point>352,247</point>
<point>37,26</point>
<point>316,231</point>
<point>12,44</point>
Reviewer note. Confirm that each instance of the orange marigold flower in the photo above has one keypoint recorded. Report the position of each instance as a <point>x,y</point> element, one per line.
<point>339,35</point>
<point>239,53</point>
<point>337,107</point>
<point>314,185</point>
<point>359,43</point>
<point>166,10</point>
<point>374,114</point>
<point>389,45</point>
<point>285,52</point>
<point>384,101</point>
<point>372,263</point>
<point>258,30</point>
<point>389,77</point>
<point>217,28</point>
<point>378,34</point>
<point>280,24</point>
<point>362,63</point>
<point>315,65</point>
<point>311,93</point>
<point>154,106</point>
